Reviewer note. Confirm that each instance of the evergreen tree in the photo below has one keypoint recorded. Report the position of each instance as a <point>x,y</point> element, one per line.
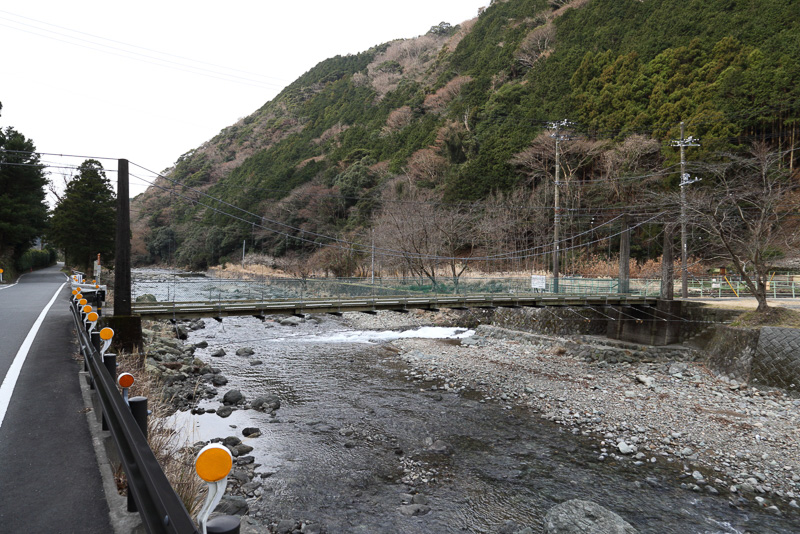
<point>84,220</point>
<point>23,212</point>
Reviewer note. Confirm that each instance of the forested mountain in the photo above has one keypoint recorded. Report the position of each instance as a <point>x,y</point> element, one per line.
<point>443,146</point>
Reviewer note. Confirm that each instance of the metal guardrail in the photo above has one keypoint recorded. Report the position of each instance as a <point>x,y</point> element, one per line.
<point>159,506</point>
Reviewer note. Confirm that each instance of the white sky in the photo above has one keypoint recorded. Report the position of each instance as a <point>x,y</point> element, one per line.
<point>149,81</point>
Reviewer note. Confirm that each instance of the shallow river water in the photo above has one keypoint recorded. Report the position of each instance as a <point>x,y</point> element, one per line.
<point>352,427</point>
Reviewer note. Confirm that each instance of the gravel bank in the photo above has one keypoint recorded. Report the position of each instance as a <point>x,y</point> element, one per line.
<point>725,437</point>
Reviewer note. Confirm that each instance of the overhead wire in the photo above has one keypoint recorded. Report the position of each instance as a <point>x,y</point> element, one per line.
<point>138,56</point>
<point>338,243</point>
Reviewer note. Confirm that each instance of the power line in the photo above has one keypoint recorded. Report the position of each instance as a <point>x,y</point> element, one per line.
<point>144,48</point>
<point>137,56</point>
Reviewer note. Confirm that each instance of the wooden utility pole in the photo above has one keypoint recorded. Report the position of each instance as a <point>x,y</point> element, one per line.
<point>682,143</point>
<point>557,215</point>
<point>667,268</point>
<point>127,328</point>
<point>557,219</point>
<point>122,255</point>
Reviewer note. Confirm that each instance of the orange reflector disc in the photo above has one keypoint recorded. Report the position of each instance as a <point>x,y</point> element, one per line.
<point>125,380</point>
<point>106,334</point>
<point>83,302</point>
<point>92,317</point>
<point>74,291</point>
<point>213,463</point>
<point>78,290</point>
<point>86,309</point>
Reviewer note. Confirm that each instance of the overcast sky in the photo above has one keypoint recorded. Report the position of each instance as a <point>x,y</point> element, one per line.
<point>149,81</point>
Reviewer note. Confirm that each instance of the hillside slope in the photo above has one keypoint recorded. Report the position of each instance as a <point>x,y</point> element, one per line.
<point>458,114</point>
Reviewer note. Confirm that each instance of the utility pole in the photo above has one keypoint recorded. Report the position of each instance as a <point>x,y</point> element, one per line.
<point>557,215</point>
<point>127,327</point>
<point>682,143</point>
<point>122,254</point>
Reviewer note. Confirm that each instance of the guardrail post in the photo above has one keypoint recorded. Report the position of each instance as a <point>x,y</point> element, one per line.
<point>213,464</point>
<point>110,361</point>
<point>138,406</point>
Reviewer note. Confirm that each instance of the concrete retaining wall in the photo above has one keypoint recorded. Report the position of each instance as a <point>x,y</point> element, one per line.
<point>768,356</point>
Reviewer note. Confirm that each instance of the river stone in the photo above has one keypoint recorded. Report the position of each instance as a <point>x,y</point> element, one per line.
<point>414,509</point>
<point>147,297</point>
<point>231,441</point>
<point>219,353</point>
<point>181,331</point>
<point>232,505</point>
<point>223,411</point>
<point>268,403</point>
<point>285,526</point>
<point>242,449</point>
<point>233,397</point>
<point>677,368</point>
<point>256,362</point>
<point>245,351</point>
<point>251,432</point>
<point>440,447</point>
<point>290,321</point>
<point>219,380</point>
<point>581,517</point>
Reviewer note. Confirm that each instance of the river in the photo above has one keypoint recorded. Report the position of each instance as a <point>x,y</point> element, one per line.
<point>355,437</point>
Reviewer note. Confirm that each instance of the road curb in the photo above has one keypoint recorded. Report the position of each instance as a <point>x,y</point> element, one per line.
<point>122,521</point>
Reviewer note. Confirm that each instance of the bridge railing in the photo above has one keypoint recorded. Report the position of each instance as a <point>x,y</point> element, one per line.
<point>159,506</point>
<point>175,288</point>
<point>178,288</point>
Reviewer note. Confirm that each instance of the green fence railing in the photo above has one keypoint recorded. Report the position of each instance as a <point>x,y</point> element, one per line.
<point>167,287</point>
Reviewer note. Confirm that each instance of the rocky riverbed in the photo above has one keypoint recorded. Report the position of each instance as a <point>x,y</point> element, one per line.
<point>728,438</point>
<point>482,434</point>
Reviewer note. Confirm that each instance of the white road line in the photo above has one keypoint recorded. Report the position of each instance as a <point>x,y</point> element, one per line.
<point>10,381</point>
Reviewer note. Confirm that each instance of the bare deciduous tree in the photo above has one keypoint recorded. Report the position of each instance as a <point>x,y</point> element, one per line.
<point>537,44</point>
<point>742,207</point>
<point>427,164</point>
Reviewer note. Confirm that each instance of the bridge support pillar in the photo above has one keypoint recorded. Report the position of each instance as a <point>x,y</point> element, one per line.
<point>651,326</point>
<point>670,331</point>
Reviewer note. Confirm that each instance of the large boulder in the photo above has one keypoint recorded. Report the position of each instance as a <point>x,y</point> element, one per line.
<point>267,403</point>
<point>233,397</point>
<point>147,297</point>
<point>232,505</point>
<point>584,517</point>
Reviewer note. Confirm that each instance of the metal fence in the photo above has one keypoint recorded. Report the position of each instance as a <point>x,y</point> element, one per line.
<point>166,287</point>
<point>180,288</point>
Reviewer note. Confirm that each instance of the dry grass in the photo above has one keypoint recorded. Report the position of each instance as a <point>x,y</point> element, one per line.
<point>782,317</point>
<point>171,449</point>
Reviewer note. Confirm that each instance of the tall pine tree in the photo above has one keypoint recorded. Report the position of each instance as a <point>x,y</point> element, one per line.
<point>84,220</point>
<point>23,212</point>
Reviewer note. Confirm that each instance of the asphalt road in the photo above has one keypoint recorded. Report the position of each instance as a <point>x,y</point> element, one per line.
<point>49,478</point>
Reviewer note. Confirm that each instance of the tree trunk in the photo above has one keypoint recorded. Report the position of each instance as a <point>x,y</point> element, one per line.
<point>667,265</point>
<point>625,256</point>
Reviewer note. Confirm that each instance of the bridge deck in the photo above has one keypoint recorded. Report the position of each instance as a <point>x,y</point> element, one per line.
<point>186,310</point>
